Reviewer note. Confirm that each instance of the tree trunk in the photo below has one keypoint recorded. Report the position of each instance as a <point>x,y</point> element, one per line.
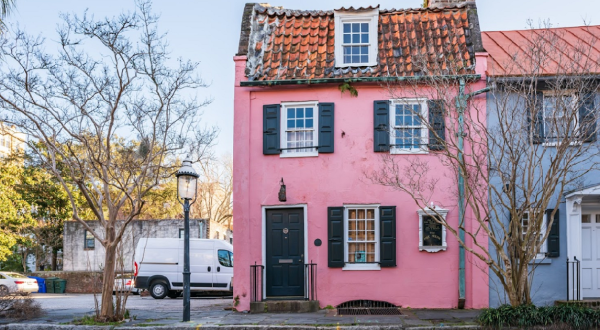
<point>53,255</point>
<point>107,308</point>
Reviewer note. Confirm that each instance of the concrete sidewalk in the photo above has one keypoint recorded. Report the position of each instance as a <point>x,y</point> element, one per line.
<point>423,319</point>
<point>148,313</point>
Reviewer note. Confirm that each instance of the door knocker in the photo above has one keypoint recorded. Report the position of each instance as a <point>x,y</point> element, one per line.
<point>285,230</point>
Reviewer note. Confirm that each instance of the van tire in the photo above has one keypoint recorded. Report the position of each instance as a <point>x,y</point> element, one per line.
<point>159,289</point>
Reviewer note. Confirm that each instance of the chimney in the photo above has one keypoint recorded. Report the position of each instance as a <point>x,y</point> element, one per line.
<point>447,3</point>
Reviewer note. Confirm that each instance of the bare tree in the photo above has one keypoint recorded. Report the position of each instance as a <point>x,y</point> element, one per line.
<point>110,114</point>
<point>531,145</point>
<point>215,189</point>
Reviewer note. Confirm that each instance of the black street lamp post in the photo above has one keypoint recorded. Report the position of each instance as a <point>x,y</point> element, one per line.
<point>187,180</point>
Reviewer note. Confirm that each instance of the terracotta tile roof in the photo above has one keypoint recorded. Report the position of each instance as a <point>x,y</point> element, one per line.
<point>565,51</point>
<point>283,44</point>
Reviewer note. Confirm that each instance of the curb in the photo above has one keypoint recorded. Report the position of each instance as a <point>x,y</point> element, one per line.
<point>33,326</point>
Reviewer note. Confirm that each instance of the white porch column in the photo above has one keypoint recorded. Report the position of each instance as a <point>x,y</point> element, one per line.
<point>573,209</point>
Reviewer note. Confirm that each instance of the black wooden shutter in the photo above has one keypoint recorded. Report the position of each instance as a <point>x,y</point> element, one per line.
<point>335,237</point>
<point>381,138</point>
<point>536,113</point>
<point>326,122</point>
<point>387,242</point>
<point>271,129</point>
<point>587,118</point>
<point>438,127</point>
<point>553,241</point>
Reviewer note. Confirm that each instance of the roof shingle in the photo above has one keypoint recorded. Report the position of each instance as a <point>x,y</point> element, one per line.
<point>286,44</point>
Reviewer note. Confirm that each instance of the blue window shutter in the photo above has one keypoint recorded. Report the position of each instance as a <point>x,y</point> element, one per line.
<point>587,118</point>
<point>271,128</point>
<point>536,113</point>
<point>437,125</point>
<point>553,241</point>
<point>381,138</point>
<point>387,234</point>
<point>326,123</point>
<point>335,237</point>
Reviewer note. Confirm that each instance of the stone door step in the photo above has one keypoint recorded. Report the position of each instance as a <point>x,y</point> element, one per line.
<point>285,306</point>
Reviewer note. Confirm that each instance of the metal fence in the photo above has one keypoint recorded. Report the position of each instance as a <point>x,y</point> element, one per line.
<point>310,274</point>
<point>573,278</point>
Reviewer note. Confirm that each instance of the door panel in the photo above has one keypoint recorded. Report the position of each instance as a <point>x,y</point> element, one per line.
<point>285,252</point>
<point>590,263</point>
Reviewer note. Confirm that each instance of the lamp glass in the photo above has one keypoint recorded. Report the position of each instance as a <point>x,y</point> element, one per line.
<point>186,186</point>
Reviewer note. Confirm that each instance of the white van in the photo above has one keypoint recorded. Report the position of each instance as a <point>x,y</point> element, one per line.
<point>159,266</point>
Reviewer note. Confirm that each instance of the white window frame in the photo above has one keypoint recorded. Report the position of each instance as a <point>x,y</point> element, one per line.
<point>341,17</point>
<point>424,148</point>
<point>283,136</point>
<point>544,246</point>
<point>432,212</point>
<point>362,266</point>
<point>575,103</point>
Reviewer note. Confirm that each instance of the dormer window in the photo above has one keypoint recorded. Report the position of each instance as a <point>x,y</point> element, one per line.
<point>356,37</point>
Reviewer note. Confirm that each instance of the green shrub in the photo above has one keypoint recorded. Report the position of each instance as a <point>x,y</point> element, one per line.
<point>526,316</point>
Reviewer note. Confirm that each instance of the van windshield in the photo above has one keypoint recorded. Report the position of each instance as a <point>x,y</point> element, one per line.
<point>226,258</point>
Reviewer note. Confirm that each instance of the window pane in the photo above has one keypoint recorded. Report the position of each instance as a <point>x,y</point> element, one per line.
<point>290,113</point>
<point>291,123</point>
<point>370,236</point>
<point>364,59</point>
<point>355,27</point>
<point>347,50</point>
<point>309,112</point>
<point>346,28</point>
<point>224,258</point>
<point>365,27</point>
<point>309,123</point>
<point>355,38</point>
<point>361,214</point>
<point>299,112</point>
<point>347,59</point>
<point>364,38</point>
<point>586,218</point>
<point>371,214</point>
<point>355,59</point>
<point>347,40</point>
<point>361,225</point>
<point>364,50</point>
<point>352,214</point>
<point>299,123</point>
<point>352,225</point>
<point>352,236</point>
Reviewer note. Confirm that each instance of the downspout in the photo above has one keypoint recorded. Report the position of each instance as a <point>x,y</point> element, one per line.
<point>461,106</point>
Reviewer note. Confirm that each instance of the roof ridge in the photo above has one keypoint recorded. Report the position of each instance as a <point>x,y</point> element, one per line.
<point>546,28</point>
<point>279,10</point>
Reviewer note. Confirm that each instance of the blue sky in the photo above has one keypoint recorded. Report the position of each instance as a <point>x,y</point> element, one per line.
<point>208,32</point>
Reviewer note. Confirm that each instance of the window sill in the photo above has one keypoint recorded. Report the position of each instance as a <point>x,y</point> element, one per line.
<point>299,154</point>
<point>355,65</point>
<point>432,249</point>
<point>541,261</point>
<point>364,266</point>
<point>408,152</point>
<point>554,144</point>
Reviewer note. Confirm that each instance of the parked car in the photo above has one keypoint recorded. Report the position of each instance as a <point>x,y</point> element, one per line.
<point>14,282</point>
<point>159,266</point>
<point>125,283</point>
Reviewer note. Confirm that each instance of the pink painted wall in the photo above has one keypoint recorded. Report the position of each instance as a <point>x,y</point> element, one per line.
<point>420,280</point>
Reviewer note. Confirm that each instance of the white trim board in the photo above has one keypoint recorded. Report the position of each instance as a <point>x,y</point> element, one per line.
<point>263,235</point>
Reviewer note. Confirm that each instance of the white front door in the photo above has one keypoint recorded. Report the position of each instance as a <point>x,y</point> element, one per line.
<point>590,261</point>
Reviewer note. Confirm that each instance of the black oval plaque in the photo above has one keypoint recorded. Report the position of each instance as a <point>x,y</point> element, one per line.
<point>318,242</point>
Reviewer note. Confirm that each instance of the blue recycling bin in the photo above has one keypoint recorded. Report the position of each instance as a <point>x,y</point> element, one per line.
<point>41,283</point>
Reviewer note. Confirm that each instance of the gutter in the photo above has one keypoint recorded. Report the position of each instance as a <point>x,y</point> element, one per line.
<point>466,77</point>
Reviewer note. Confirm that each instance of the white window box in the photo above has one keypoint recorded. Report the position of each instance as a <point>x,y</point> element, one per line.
<point>299,128</point>
<point>356,38</point>
<point>409,133</point>
<point>366,266</point>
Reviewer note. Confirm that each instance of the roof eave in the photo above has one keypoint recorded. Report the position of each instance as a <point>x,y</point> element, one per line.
<point>468,77</point>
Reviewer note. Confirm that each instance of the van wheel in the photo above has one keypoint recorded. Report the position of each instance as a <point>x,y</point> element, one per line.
<point>173,294</point>
<point>159,290</point>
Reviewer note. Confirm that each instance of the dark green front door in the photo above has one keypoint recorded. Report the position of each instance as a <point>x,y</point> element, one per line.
<point>285,252</point>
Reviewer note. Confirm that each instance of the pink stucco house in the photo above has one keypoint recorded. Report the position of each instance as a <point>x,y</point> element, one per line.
<point>332,235</point>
